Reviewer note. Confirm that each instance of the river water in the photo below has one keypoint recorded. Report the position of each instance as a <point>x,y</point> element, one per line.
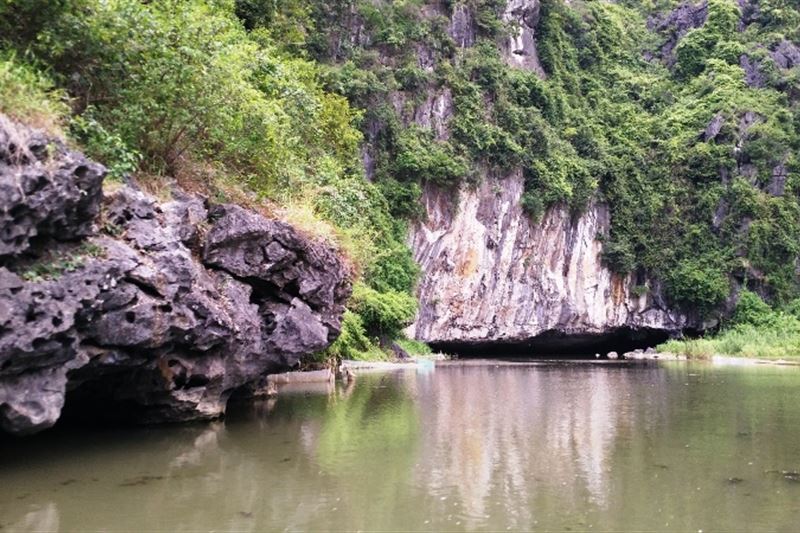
<point>467,446</point>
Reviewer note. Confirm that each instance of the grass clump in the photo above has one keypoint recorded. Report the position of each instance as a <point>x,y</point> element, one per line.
<point>353,342</point>
<point>414,347</point>
<point>30,97</point>
<point>755,330</point>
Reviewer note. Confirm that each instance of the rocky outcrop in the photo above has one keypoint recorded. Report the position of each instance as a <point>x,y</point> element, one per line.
<point>490,275</point>
<point>161,315</point>
<point>60,204</point>
<point>520,47</point>
<point>462,28</point>
<point>786,54</point>
<point>673,25</point>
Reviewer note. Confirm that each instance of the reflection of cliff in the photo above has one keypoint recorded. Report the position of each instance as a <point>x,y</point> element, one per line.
<point>465,447</point>
<point>467,443</point>
<point>522,433</point>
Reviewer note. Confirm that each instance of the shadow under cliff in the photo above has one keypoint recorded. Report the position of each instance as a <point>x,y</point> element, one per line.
<point>559,344</point>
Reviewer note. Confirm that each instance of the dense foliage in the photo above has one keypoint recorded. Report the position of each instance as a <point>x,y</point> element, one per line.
<point>756,330</point>
<point>200,91</point>
<point>693,143</point>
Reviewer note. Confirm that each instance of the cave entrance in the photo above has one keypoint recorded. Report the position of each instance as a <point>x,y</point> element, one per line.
<point>559,345</point>
<point>95,404</point>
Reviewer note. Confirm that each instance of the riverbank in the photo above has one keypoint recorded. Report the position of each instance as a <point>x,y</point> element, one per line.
<point>744,341</point>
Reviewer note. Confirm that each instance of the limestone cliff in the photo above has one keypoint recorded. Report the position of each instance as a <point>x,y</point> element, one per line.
<point>490,274</point>
<point>155,310</point>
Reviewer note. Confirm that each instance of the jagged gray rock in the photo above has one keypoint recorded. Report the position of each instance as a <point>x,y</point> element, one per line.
<point>520,49</point>
<point>714,127</point>
<point>163,316</point>
<point>786,54</point>
<point>461,26</point>
<point>47,191</point>
<point>753,75</point>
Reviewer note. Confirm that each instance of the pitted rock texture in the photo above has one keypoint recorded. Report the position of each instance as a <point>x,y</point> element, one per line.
<point>490,275</point>
<point>165,314</point>
<point>47,191</point>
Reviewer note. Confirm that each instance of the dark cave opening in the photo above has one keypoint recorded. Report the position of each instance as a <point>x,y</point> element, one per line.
<point>93,405</point>
<point>559,345</point>
<point>106,400</point>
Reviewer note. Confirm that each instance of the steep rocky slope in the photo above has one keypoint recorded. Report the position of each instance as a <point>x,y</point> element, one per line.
<point>586,170</point>
<point>490,274</point>
<point>160,315</point>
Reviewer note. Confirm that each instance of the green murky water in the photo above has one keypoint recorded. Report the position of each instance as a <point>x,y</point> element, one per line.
<point>569,447</point>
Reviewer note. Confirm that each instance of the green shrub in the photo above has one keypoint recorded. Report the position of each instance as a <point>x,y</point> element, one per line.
<point>701,285</point>
<point>533,205</point>
<point>618,256</point>
<point>422,158</point>
<point>403,198</point>
<point>414,347</point>
<point>384,314</point>
<point>393,268</point>
<point>751,309</point>
<point>699,44</point>
<point>104,146</point>
<point>353,342</point>
<point>27,95</point>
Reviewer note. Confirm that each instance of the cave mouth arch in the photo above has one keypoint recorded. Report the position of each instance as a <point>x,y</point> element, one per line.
<point>558,344</point>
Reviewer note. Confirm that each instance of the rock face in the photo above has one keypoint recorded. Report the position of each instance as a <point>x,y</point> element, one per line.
<point>520,48</point>
<point>674,24</point>
<point>60,204</point>
<point>492,276</point>
<point>163,315</point>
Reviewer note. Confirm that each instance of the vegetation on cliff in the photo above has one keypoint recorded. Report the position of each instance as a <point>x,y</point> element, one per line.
<point>684,118</point>
<point>687,128</point>
<point>182,90</point>
<point>755,331</point>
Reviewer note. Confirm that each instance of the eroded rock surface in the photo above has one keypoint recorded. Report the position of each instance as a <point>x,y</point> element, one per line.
<point>490,275</point>
<point>43,197</point>
<point>520,48</point>
<point>163,314</point>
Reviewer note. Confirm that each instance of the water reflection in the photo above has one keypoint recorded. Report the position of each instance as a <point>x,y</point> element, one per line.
<point>462,448</point>
<point>524,431</point>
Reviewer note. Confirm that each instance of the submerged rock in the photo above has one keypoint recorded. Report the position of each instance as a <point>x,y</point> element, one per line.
<point>164,315</point>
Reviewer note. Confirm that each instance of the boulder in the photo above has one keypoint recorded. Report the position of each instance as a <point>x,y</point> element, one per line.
<point>160,317</point>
